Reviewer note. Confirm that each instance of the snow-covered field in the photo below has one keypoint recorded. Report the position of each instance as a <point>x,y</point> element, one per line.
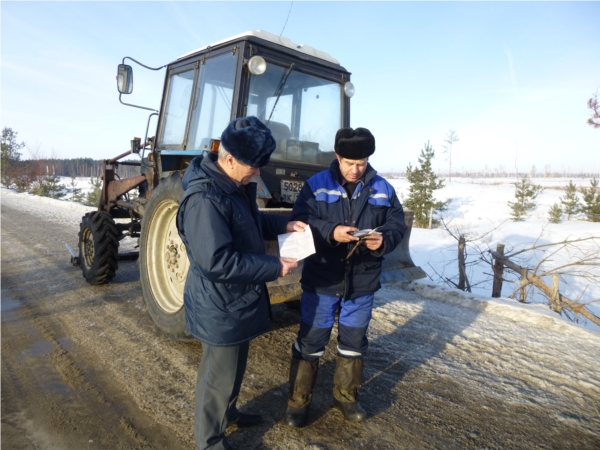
<point>479,210</point>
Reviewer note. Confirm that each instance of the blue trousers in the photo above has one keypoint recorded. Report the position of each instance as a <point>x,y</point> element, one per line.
<point>318,318</point>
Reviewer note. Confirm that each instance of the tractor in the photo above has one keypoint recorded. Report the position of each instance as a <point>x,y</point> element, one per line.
<point>302,94</point>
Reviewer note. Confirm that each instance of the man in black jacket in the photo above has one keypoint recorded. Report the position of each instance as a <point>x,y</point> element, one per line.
<point>225,297</point>
<point>344,273</point>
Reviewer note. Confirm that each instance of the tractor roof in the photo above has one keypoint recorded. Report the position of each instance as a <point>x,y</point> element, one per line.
<point>280,40</point>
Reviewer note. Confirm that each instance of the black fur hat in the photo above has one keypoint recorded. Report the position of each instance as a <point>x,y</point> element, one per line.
<point>354,144</point>
<point>249,141</point>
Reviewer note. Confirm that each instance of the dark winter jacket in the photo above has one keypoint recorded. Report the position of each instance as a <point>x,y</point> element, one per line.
<point>324,204</point>
<point>225,297</point>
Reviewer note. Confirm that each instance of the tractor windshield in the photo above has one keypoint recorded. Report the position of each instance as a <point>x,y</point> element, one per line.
<point>210,104</point>
<point>303,112</point>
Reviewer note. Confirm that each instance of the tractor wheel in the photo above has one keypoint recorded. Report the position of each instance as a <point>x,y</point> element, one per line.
<point>98,247</point>
<point>163,261</point>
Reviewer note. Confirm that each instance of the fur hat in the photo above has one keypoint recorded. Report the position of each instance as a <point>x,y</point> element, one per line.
<point>354,144</point>
<point>249,141</point>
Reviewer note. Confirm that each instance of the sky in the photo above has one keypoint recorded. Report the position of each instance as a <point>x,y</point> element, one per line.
<point>512,79</point>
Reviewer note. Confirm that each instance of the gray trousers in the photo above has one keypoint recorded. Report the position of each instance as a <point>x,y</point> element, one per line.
<point>219,381</point>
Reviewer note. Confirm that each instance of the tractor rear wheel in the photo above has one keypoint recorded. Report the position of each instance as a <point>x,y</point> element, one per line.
<point>98,247</point>
<point>163,261</point>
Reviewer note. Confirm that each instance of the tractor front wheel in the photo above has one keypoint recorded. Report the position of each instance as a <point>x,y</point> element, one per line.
<point>163,261</point>
<point>98,247</point>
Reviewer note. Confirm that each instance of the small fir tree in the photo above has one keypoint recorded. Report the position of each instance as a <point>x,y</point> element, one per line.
<point>591,201</point>
<point>76,194</point>
<point>93,196</point>
<point>423,184</point>
<point>570,201</point>
<point>525,194</point>
<point>555,213</point>
<point>49,186</point>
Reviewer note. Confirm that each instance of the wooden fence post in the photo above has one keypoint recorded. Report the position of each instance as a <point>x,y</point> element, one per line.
<point>555,299</point>
<point>523,284</point>
<point>430,217</point>
<point>498,271</point>
<point>462,270</point>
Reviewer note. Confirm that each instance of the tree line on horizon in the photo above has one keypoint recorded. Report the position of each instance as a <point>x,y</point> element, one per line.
<point>396,174</point>
<point>23,174</point>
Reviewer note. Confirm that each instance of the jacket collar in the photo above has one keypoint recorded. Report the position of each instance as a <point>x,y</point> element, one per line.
<point>334,168</point>
<point>215,174</point>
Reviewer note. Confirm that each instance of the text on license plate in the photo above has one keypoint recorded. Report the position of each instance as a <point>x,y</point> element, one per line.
<point>290,190</point>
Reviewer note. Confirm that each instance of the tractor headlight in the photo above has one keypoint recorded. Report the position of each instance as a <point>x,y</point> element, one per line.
<point>257,65</point>
<point>349,89</point>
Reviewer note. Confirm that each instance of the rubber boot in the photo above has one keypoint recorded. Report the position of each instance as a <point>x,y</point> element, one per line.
<point>303,376</point>
<point>346,381</point>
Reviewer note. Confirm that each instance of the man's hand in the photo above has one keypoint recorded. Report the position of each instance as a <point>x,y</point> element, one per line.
<point>343,234</point>
<point>295,225</point>
<point>373,241</point>
<point>287,265</point>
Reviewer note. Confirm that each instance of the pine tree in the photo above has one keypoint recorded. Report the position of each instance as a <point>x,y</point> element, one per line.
<point>10,155</point>
<point>76,194</point>
<point>49,186</point>
<point>570,201</point>
<point>525,194</point>
<point>93,196</point>
<point>591,200</point>
<point>423,184</point>
<point>555,213</point>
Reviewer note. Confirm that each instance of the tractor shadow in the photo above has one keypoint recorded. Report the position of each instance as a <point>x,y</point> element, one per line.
<point>395,349</point>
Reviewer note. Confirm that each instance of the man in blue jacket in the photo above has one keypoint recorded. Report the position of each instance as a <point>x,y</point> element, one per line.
<point>344,272</point>
<point>225,297</point>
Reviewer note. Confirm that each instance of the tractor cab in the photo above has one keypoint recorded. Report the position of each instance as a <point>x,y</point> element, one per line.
<point>300,93</point>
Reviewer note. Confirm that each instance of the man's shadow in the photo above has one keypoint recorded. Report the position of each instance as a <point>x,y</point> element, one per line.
<point>391,355</point>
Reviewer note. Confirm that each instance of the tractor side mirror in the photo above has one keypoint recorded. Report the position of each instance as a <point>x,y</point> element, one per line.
<point>125,79</point>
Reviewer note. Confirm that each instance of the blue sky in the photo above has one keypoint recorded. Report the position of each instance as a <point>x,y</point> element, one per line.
<point>511,78</point>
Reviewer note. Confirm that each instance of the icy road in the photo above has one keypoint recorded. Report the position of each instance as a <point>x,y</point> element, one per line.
<point>83,367</point>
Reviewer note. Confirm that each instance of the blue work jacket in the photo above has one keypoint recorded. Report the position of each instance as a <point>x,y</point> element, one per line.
<point>324,204</point>
<point>225,297</point>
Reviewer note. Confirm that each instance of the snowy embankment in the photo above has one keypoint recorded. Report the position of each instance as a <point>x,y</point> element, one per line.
<point>478,210</point>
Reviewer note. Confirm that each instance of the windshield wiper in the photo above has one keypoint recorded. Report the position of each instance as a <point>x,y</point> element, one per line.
<point>279,91</point>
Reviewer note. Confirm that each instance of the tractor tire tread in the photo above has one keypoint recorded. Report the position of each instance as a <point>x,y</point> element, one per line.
<point>105,235</point>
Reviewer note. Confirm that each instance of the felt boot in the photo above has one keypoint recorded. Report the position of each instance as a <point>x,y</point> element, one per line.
<point>303,376</point>
<point>346,381</point>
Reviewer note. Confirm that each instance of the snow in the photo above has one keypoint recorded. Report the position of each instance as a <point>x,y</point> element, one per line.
<point>478,210</point>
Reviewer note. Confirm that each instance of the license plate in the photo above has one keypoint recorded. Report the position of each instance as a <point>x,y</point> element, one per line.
<point>290,190</point>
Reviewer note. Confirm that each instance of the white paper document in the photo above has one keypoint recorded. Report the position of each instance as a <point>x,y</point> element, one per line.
<point>296,245</point>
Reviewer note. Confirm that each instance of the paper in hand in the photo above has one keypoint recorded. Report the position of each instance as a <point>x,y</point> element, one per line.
<point>296,245</point>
